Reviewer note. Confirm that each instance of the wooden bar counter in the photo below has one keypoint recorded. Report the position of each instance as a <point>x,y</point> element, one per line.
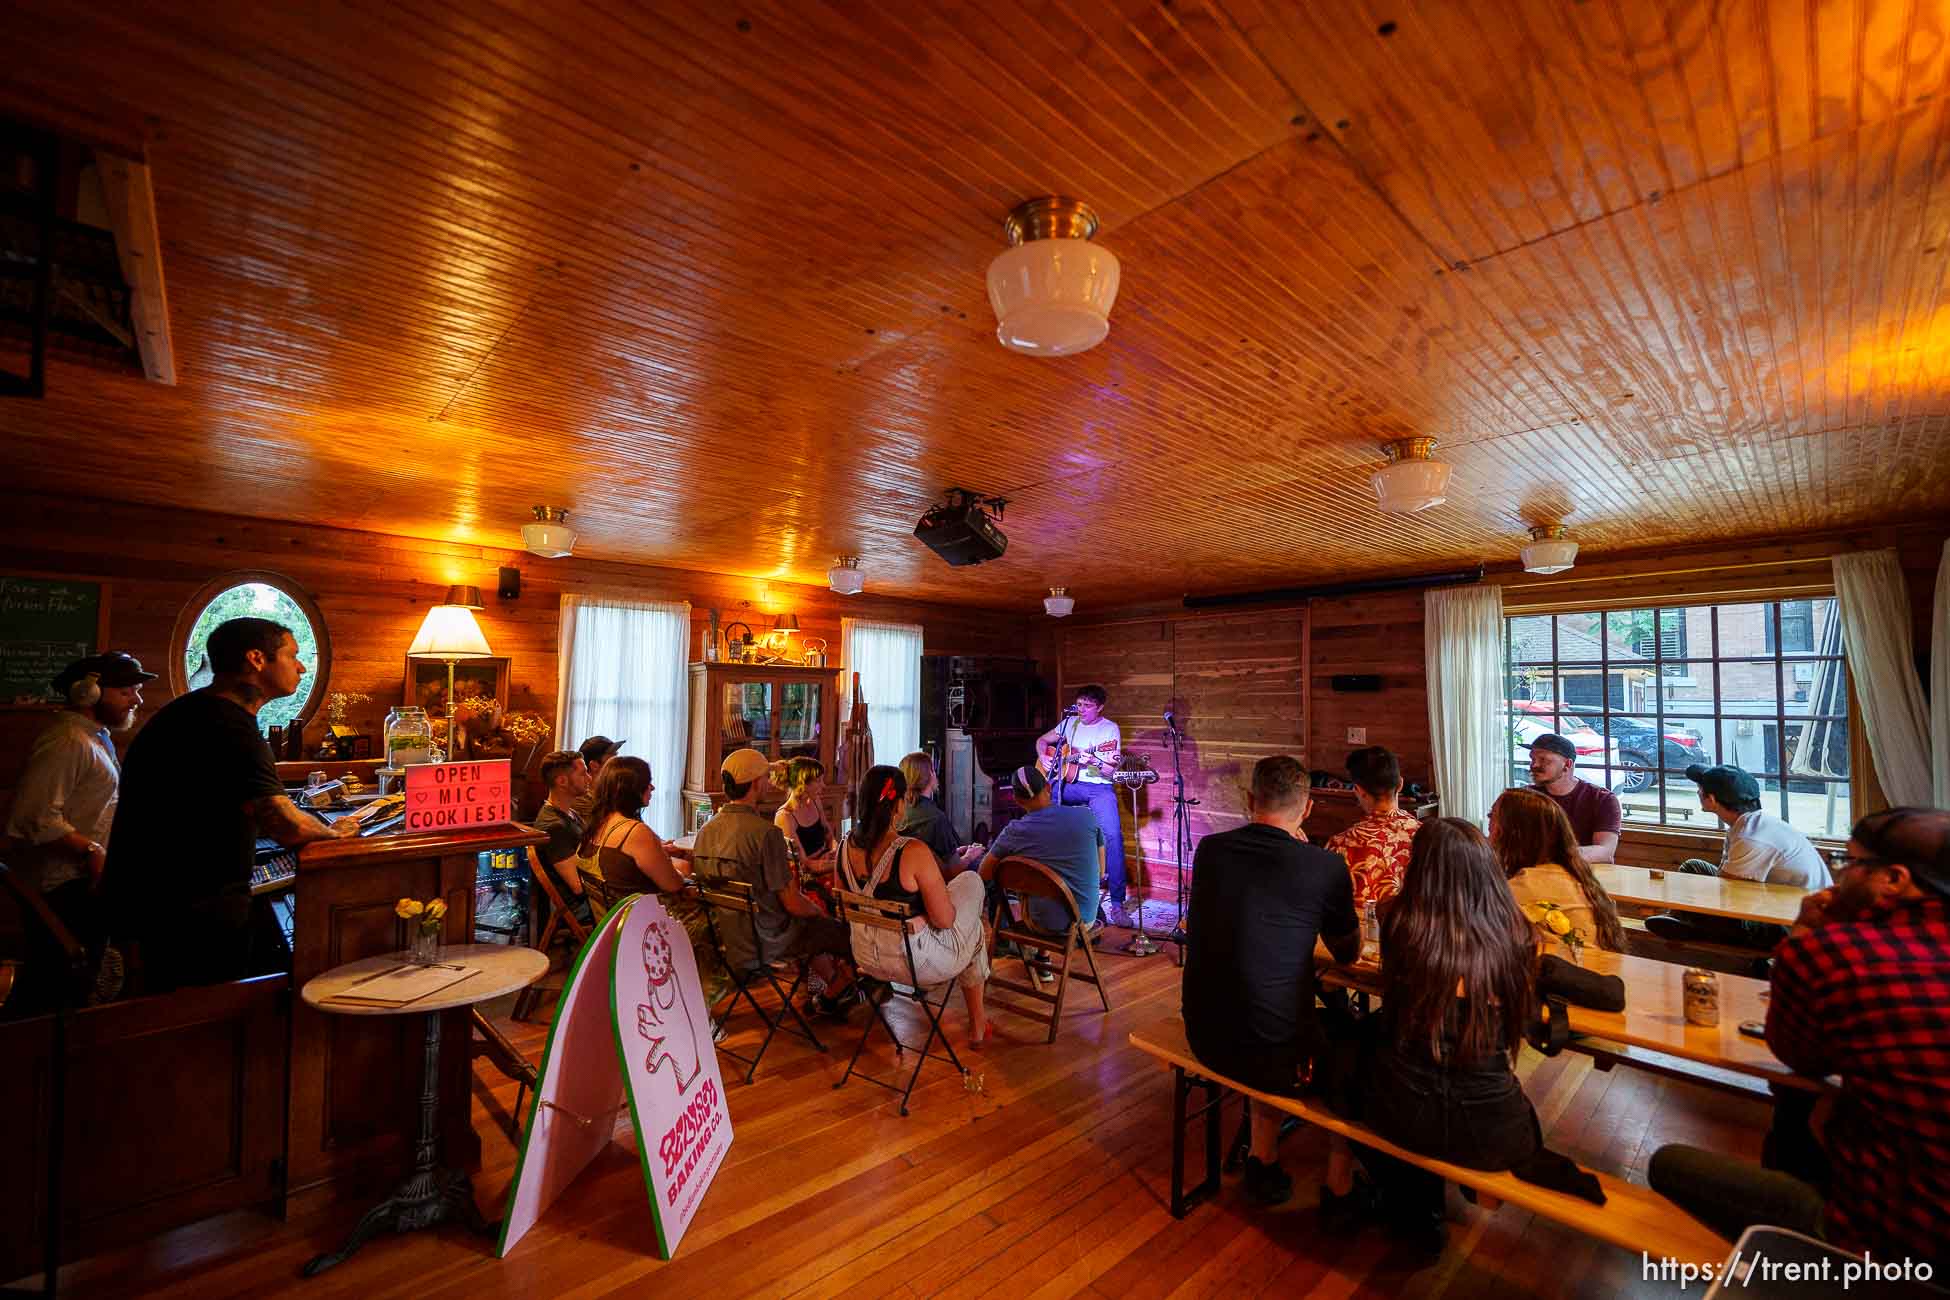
<point>354,1079</point>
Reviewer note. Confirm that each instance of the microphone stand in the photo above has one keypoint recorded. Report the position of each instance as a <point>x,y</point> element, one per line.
<point>1181,835</point>
<point>1140,944</point>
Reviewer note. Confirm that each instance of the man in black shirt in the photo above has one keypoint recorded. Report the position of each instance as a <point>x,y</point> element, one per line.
<point>565,775</point>
<point>198,787</point>
<point>1260,898</point>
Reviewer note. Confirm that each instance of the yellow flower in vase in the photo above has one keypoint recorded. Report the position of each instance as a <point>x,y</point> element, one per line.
<point>406,909</point>
<point>435,911</point>
<point>1552,922</point>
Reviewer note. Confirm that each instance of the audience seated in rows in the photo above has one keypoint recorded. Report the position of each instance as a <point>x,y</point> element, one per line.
<point>1376,847</point>
<point>739,844</point>
<point>1260,899</point>
<point>949,941</point>
<point>1860,989</point>
<point>1539,853</point>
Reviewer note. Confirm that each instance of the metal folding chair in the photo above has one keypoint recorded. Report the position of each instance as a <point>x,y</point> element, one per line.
<point>734,903</point>
<point>1027,878</point>
<point>877,914</point>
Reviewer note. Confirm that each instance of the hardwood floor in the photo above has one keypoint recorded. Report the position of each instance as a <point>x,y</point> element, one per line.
<point>1045,1175</point>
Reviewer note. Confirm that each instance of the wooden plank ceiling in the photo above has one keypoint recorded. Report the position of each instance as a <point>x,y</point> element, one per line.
<point>712,276</point>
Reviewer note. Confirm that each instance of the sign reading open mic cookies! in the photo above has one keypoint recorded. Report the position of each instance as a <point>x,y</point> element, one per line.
<point>455,796</point>
<point>632,1035</point>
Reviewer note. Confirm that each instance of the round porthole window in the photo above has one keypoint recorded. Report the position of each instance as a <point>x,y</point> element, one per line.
<point>254,594</point>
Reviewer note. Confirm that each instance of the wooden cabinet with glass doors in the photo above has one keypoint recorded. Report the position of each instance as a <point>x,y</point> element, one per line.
<point>780,710</point>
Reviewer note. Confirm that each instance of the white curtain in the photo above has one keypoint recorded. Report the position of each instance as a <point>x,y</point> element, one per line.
<point>1463,641</point>
<point>622,675</point>
<point>1877,643</point>
<point>888,658</point>
<point>1940,682</point>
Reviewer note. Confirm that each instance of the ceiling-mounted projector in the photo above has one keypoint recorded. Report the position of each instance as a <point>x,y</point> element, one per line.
<point>962,531</point>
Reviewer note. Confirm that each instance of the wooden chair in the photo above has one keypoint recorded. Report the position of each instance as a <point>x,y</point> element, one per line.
<point>1029,879</point>
<point>487,1041</point>
<point>733,903</point>
<point>878,914</point>
<point>560,918</point>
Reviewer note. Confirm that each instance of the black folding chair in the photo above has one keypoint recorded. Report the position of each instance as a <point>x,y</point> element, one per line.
<point>878,914</point>
<point>733,902</point>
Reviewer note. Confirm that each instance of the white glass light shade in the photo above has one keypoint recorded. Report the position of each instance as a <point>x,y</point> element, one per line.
<point>1410,485</point>
<point>1058,604</point>
<point>449,632</point>
<point>549,540</point>
<point>845,579</point>
<point>1550,555</point>
<point>1052,297</point>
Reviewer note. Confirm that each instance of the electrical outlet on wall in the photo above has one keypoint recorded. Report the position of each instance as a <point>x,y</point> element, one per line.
<point>1357,735</point>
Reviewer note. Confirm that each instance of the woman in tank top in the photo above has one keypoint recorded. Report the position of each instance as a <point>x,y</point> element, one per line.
<point>800,817</point>
<point>951,943</point>
<point>619,855</point>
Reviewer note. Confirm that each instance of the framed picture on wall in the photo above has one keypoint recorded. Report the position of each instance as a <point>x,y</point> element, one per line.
<point>426,684</point>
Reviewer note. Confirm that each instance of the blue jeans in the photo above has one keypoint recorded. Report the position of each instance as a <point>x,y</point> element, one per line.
<point>1101,799</point>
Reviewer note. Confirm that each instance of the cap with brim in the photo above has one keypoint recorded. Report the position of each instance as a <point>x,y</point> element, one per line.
<point>746,765</point>
<point>1552,743</point>
<point>599,749</point>
<point>1730,785</point>
<point>115,668</point>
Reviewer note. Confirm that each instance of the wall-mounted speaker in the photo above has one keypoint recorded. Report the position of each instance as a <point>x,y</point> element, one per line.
<point>1347,682</point>
<point>510,584</point>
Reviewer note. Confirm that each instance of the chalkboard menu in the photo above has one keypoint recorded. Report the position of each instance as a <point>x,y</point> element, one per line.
<point>45,625</point>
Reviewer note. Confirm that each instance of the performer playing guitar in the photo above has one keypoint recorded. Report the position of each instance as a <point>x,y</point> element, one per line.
<point>1080,753</point>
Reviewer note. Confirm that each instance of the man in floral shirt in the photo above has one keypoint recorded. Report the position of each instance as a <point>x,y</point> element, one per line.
<point>1376,847</point>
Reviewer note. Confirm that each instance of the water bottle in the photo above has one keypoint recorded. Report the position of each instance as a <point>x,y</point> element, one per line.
<point>1370,926</point>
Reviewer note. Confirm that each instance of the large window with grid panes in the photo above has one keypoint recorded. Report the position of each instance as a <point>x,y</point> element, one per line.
<point>1645,693</point>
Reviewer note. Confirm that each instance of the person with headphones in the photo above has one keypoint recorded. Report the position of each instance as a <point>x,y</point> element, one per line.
<point>65,801</point>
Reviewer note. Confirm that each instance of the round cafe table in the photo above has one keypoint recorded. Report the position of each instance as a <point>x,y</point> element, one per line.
<point>429,1195</point>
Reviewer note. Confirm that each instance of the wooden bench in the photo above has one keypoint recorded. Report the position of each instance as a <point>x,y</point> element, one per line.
<point>1632,1217</point>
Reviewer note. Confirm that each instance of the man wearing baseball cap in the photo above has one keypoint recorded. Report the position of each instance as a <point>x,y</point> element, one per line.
<point>740,843</point>
<point>595,751</point>
<point>1758,846</point>
<point>1593,810</point>
<point>65,802</point>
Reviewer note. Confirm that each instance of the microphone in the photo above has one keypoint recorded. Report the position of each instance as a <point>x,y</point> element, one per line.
<point>1070,712</point>
<point>1171,720</point>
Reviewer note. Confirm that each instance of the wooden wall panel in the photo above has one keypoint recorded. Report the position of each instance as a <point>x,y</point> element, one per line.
<point>1378,633</point>
<point>374,589</point>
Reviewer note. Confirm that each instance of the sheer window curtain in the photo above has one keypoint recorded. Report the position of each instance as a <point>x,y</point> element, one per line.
<point>1876,641</point>
<point>622,674</point>
<point>1463,640</point>
<point>888,658</point>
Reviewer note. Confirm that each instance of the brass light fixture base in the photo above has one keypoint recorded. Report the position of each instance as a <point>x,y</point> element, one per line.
<point>1053,217</point>
<point>1547,532</point>
<point>1402,449</point>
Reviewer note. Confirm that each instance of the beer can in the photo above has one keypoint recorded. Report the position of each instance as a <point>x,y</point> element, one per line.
<point>1702,998</point>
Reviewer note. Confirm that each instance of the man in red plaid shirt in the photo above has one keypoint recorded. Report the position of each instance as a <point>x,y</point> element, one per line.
<point>1861,989</point>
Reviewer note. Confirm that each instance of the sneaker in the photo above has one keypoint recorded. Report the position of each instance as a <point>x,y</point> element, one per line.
<point>110,976</point>
<point>1114,914</point>
<point>1266,1182</point>
<point>717,1031</point>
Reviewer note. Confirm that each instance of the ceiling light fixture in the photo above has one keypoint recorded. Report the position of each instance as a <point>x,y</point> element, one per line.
<point>1059,604</point>
<point>550,535</point>
<point>1550,551</point>
<point>1052,290</point>
<point>845,576</point>
<point>1411,480</point>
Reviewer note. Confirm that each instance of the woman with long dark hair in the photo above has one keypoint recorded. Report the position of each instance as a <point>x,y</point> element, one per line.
<point>1534,841</point>
<point>877,860</point>
<point>1457,961</point>
<point>620,855</point>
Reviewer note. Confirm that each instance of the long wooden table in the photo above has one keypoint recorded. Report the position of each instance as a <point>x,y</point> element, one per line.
<point>1681,891</point>
<point>1654,1016</point>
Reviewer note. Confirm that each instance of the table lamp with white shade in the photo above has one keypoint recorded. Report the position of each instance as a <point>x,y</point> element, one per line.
<point>450,634</point>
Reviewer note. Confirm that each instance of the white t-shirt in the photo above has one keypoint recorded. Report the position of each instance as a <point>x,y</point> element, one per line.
<point>1089,735</point>
<point>1760,846</point>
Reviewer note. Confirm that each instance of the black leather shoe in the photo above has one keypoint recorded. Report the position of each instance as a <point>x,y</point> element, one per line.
<point>1267,1183</point>
<point>1671,927</point>
<point>1361,1205</point>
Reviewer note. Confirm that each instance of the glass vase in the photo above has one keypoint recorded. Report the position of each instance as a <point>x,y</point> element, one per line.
<point>425,948</point>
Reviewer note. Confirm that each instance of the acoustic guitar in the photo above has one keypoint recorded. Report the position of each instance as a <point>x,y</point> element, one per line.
<point>1070,761</point>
